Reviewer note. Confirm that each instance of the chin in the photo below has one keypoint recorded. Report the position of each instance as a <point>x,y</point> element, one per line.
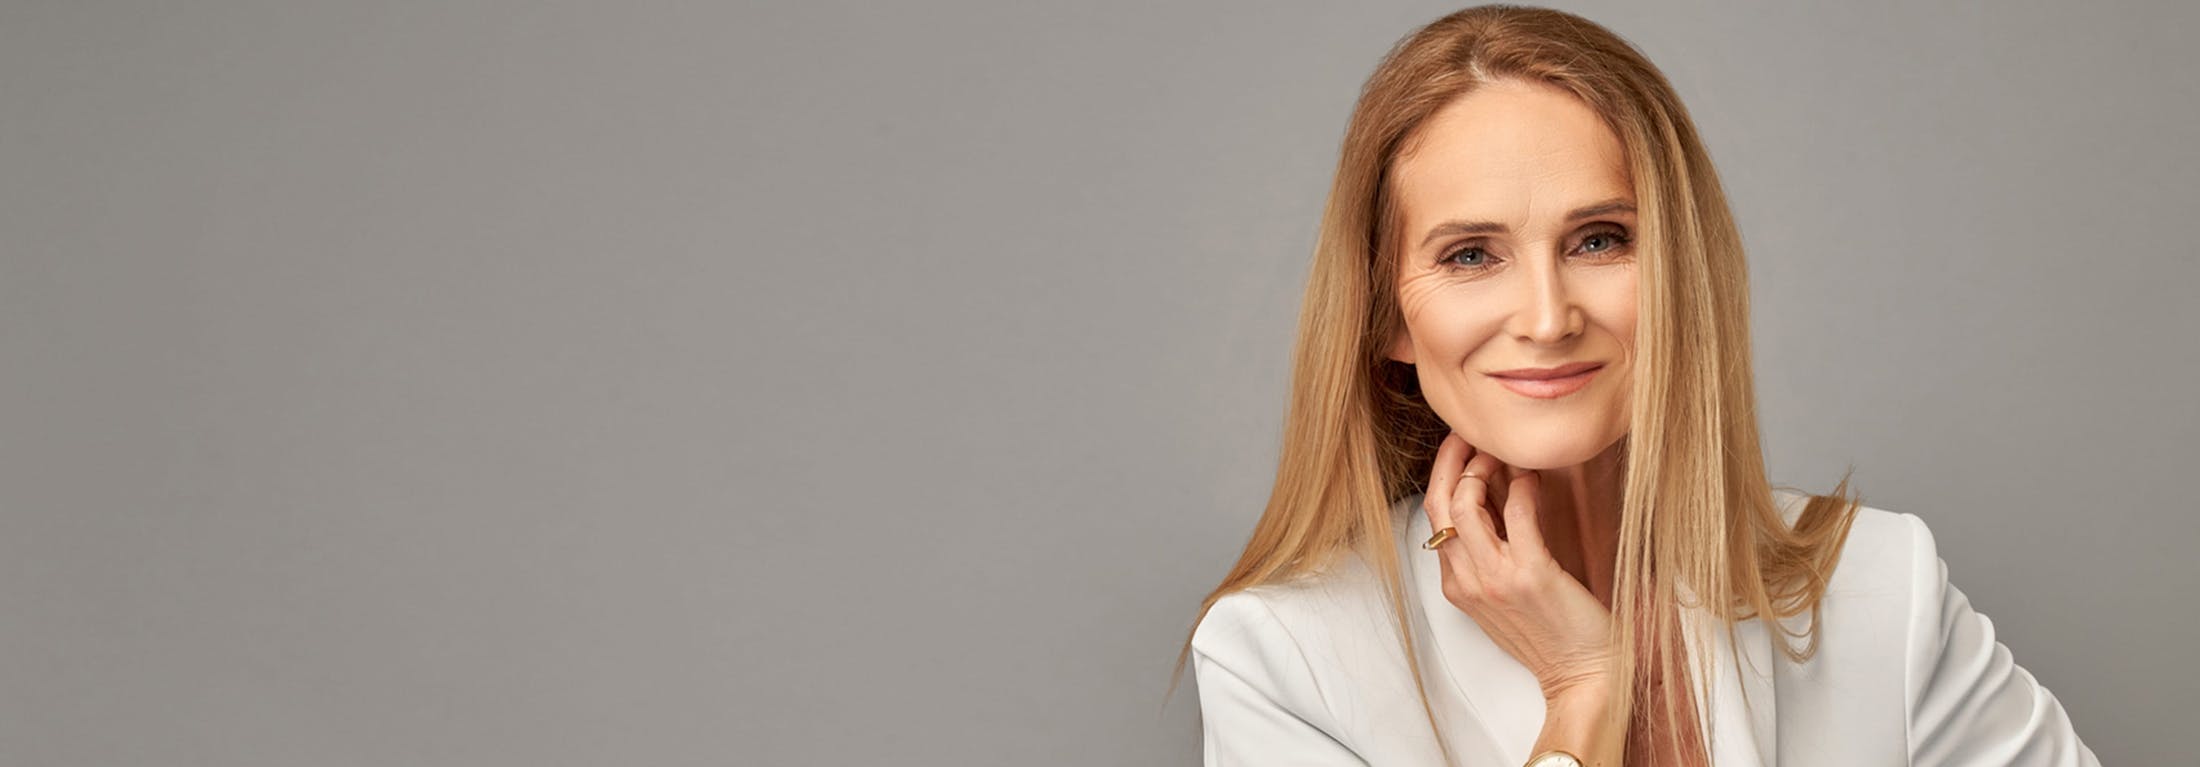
<point>1545,452</point>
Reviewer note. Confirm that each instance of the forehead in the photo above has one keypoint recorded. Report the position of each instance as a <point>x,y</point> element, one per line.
<point>1517,153</point>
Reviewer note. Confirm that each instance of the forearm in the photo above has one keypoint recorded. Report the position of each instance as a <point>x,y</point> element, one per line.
<point>1574,723</point>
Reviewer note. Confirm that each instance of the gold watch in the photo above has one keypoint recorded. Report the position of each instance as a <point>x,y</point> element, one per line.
<point>1554,758</point>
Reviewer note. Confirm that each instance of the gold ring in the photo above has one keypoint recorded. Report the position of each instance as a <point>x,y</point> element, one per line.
<point>1440,537</point>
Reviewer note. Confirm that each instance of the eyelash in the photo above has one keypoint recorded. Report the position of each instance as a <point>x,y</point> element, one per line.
<point>1621,239</point>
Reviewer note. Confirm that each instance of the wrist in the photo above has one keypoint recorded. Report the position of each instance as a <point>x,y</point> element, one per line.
<point>1583,695</point>
<point>1575,721</point>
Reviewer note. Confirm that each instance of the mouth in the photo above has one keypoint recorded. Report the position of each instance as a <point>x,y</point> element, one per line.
<point>1548,383</point>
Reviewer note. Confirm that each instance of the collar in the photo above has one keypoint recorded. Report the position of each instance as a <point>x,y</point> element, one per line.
<point>1494,683</point>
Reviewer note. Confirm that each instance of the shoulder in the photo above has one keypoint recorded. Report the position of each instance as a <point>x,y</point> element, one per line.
<point>1886,591</point>
<point>1311,643</point>
<point>1962,692</point>
<point>1239,626</point>
<point>1285,623</point>
<point>1858,630</point>
<point>1283,676</point>
<point>1880,554</point>
<point>1271,653</point>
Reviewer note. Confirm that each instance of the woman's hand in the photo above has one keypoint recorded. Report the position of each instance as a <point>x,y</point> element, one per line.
<point>1511,586</point>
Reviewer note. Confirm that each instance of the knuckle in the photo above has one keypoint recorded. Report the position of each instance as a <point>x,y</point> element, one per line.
<point>1461,594</point>
<point>1508,591</point>
<point>1454,593</point>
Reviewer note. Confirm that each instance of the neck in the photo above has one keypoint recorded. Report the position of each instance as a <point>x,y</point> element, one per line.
<point>1580,507</point>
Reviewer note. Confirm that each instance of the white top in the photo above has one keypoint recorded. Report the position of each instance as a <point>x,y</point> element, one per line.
<point>1310,672</point>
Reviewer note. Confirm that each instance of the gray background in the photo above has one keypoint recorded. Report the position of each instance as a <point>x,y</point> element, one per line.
<point>832,383</point>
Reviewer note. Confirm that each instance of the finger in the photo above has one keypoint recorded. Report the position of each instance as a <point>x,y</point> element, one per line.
<point>1521,526</point>
<point>1470,508</point>
<point>1497,488</point>
<point>1442,479</point>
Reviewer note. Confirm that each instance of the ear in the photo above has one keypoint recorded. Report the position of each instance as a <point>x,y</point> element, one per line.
<point>1401,348</point>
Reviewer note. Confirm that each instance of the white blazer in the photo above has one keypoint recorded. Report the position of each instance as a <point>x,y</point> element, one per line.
<point>1309,672</point>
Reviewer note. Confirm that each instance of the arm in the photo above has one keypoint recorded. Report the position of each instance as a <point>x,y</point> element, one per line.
<point>1574,723</point>
<point>1258,702</point>
<point>1969,702</point>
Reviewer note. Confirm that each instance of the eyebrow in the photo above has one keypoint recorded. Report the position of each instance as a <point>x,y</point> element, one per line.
<point>1614,205</point>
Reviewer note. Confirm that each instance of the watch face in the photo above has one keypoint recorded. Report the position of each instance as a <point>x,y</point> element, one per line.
<point>1556,759</point>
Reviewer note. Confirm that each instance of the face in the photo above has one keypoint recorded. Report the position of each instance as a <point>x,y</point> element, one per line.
<point>1517,252</point>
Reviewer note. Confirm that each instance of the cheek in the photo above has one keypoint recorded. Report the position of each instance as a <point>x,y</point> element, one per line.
<point>1448,326</point>
<point>1610,301</point>
<point>1617,311</point>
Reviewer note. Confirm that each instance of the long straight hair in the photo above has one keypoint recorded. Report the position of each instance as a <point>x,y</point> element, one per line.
<point>1698,513</point>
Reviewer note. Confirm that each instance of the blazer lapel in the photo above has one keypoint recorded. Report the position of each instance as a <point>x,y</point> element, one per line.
<point>1746,730</point>
<point>1502,695</point>
<point>1507,702</point>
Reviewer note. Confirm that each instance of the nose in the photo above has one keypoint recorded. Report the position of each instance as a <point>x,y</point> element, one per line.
<point>1547,314</point>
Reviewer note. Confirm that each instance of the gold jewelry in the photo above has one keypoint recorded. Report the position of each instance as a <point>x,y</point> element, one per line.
<point>1554,758</point>
<point>1440,537</point>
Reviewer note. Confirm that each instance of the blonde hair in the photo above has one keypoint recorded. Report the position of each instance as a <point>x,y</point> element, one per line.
<point>1698,512</point>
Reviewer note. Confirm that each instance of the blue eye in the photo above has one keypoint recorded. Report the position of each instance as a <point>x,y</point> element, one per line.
<point>1615,237</point>
<point>1613,240</point>
<point>1451,259</point>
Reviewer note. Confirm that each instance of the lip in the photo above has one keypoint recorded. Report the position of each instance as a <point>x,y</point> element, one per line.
<point>1539,374</point>
<point>1548,383</point>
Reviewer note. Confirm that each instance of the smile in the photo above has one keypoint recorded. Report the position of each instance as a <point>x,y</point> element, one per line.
<point>1549,388</point>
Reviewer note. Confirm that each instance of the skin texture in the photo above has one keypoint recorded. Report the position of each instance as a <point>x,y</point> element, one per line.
<point>1537,533</point>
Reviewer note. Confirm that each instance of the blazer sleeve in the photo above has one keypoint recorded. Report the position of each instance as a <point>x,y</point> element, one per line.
<point>1258,701</point>
<point>1969,702</point>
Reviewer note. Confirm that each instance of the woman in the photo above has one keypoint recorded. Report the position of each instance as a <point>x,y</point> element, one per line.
<point>1522,512</point>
